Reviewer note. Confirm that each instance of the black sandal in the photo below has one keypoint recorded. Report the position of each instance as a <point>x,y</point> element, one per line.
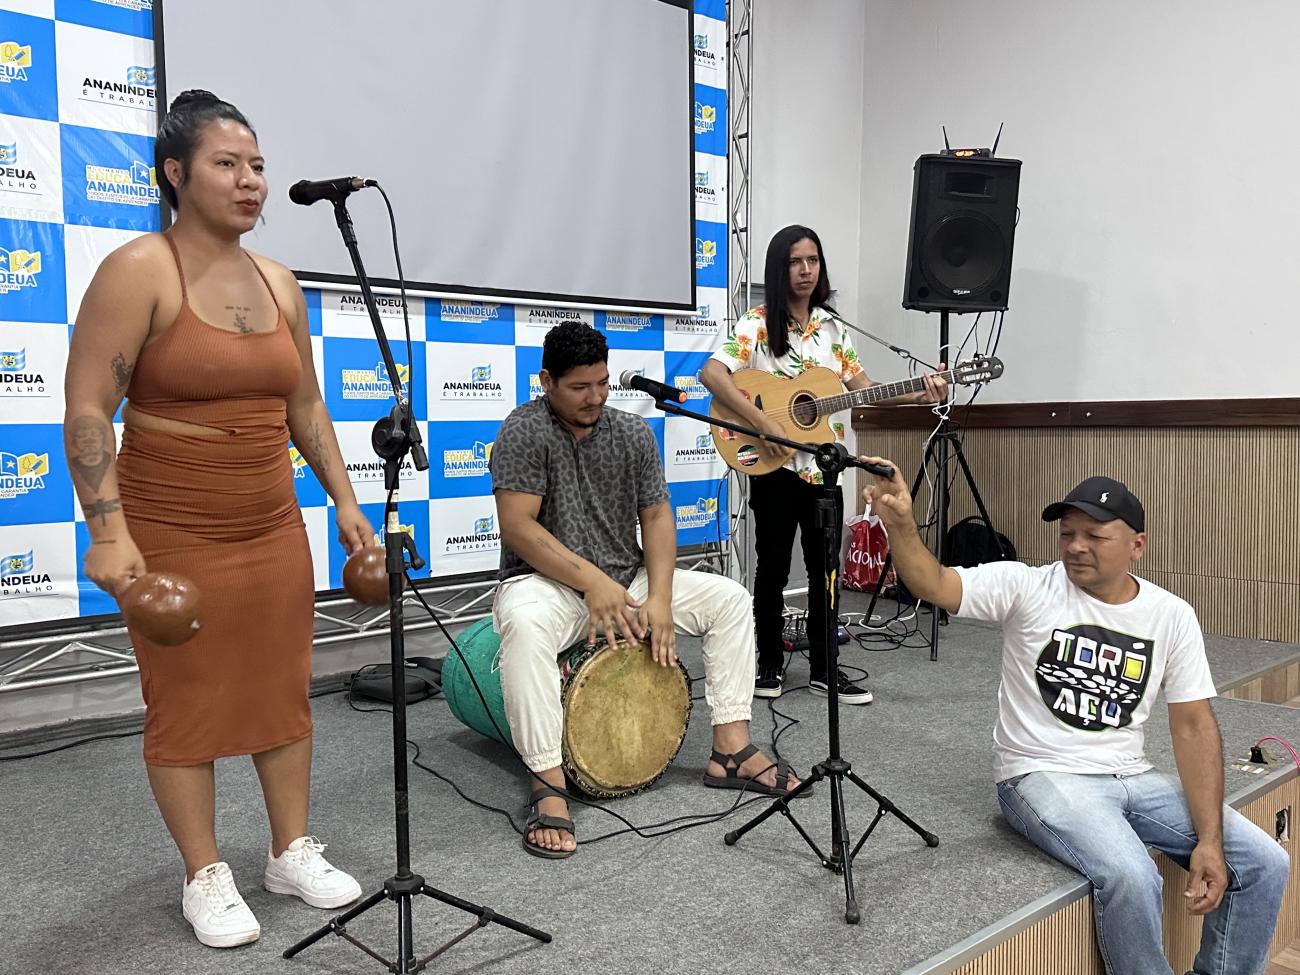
<point>537,821</point>
<point>734,780</point>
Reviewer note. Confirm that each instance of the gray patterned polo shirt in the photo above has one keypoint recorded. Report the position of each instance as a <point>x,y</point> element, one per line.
<point>591,489</point>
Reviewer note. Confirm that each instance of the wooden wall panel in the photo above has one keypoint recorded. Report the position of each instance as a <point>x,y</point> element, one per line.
<point>1183,932</point>
<point>1227,606</point>
<point>1269,494</point>
<point>1278,686</point>
<point>1280,610</point>
<point>1064,943</point>
<point>1221,505</point>
<point>1261,812</point>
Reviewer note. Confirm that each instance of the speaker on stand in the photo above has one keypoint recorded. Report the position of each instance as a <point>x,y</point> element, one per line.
<point>958,260</point>
<point>963,226</point>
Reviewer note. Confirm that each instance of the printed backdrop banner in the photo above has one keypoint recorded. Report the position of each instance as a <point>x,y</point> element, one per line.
<point>78,104</point>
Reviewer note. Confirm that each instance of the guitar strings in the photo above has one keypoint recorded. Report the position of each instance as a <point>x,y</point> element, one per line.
<point>902,384</point>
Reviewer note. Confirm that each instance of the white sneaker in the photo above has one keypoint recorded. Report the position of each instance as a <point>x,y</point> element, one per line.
<point>302,871</point>
<point>212,905</point>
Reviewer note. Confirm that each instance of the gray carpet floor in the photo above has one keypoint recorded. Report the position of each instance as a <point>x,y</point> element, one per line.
<point>93,882</point>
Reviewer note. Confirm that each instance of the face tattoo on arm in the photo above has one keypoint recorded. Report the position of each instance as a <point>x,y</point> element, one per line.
<point>90,455</point>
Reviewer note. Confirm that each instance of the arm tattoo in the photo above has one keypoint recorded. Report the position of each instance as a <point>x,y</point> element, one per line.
<point>241,318</point>
<point>313,450</point>
<point>121,373</point>
<point>101,509</point>
<point>89,442</point>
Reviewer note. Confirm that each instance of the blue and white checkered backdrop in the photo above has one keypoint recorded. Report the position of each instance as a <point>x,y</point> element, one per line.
<point>77,117</point>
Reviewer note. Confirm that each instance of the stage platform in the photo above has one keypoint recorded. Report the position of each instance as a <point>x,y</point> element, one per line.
<point>93,882</point>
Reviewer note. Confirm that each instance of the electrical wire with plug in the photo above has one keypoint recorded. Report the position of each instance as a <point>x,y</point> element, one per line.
<point>1257,753</point>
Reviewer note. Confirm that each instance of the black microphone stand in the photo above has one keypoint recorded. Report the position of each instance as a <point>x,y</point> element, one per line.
<point>938,447</point>
<point>832,458</point>
<point>392,438</point>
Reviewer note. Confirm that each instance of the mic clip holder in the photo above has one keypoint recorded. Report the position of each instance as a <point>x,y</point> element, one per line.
<point>395,434</point>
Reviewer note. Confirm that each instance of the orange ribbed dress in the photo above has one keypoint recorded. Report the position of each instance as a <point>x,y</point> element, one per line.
<point>222,510</point>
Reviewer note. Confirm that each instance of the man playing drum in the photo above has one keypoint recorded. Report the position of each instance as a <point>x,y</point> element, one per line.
<point>572,481</point>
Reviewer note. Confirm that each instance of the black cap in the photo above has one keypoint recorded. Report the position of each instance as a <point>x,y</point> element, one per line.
<point>1103,498</point>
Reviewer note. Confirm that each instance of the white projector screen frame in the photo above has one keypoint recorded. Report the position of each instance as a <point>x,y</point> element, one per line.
<point>551,160</point>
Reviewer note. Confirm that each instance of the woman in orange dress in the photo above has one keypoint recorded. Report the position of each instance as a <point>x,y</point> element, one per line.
<point>210,346</point>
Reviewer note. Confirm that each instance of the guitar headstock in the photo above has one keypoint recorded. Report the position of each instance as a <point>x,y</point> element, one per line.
<point>980,369</point>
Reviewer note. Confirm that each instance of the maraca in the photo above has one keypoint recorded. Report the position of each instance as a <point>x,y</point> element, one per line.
<point>365,575</point>
<point>163,606</point>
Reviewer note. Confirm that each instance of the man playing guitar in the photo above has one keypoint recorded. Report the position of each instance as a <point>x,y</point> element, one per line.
<point>796,292</point>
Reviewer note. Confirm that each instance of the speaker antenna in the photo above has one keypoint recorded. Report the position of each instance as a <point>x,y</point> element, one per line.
<point>946,148</point>
<point>997,139</point>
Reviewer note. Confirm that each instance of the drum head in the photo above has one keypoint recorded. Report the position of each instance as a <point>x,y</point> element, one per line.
<point>624,719</point>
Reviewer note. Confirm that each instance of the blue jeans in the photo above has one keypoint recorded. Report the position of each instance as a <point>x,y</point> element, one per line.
<point>1101,826</point>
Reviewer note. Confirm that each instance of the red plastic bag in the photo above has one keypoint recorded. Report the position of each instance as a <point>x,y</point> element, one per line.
<point>868,547</point>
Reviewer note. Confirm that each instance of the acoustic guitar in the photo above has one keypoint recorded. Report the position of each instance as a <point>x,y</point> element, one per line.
<point>801,406</point>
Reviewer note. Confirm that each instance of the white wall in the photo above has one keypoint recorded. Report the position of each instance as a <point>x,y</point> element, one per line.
<point>1154,254</point>
<point>806,144</point>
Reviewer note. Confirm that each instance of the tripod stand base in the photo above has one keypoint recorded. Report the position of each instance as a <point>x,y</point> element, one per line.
<point>403,890</point>
<point>840,859</point>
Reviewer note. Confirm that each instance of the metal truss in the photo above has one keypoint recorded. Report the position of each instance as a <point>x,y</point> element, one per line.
<point>82,652</point>
<point>740,263</point>
<point>740,67</point>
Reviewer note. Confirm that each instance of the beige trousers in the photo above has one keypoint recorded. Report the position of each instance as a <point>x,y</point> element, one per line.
<point>539,618</point>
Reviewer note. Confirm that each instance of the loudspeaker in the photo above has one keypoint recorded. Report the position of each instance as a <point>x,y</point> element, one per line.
<point>963,226</point>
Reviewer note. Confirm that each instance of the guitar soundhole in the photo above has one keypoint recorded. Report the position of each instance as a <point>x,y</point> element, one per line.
<point>804,410</point>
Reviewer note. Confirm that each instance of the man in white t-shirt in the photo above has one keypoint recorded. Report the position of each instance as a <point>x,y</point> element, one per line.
<point>1086,647</point>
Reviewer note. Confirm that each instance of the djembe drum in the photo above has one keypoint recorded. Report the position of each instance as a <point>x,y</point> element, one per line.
<point>624,715</point>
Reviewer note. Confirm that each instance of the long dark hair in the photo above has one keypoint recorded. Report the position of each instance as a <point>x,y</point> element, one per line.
<point>776,284</point>
<point>178,135</point>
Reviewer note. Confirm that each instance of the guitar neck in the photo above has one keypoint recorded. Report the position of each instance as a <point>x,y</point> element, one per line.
<point>874,394</point>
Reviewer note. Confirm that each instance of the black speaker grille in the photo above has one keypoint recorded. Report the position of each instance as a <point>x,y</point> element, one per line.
<point>963,252</point>
<point>959,247</point>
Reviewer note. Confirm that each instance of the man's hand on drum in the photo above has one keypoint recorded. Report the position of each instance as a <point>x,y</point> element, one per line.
<point>611,609</point>
<point>657,614</point>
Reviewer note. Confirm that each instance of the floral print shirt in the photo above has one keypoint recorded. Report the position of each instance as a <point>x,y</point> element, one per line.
<point>822,342</point>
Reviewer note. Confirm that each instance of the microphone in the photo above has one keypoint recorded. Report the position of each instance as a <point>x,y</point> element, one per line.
<point>305,192</point>
<point>658,390</point>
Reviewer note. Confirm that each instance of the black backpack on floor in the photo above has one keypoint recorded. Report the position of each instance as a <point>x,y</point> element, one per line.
<point>375,681</point>
<point>973,542</point>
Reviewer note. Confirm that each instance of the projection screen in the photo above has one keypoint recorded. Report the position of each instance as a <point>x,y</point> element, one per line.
<point>536,149</point>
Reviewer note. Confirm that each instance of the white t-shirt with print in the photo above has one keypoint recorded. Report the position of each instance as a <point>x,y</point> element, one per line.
<point>822,342</point>
<point>1079,676</point>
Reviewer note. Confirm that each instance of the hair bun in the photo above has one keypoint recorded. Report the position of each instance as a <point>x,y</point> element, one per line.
<point>193,96</point>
